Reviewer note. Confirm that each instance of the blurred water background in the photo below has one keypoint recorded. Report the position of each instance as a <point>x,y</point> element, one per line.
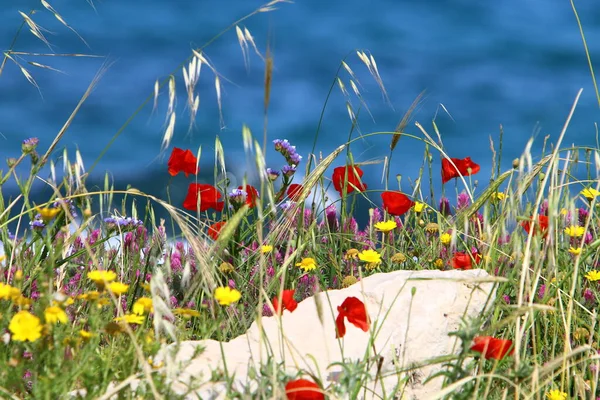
<point>513,62</point>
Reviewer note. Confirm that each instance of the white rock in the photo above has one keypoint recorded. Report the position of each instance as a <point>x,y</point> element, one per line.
<point>409,330</point>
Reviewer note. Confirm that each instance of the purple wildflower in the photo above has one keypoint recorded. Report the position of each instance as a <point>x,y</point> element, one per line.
<point>463,200</point>
<point>444,206</point>
<point>288,170</point>
<point>272,174</point>
<point>29,145</point>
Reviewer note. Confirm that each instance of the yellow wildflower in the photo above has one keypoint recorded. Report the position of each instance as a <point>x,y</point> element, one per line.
<point>446,238</point>
<point>386,226</point>
<point>575,231</point>
<point>226,268</point>
<point>131,319</point>
<point>307,264</point>
<point>438,263</point>
<point>2,257</point>
<point>186,313</point>
<point>432,227</point>
<point>590,193</point>
<point>101,277</point>
<point>499,196</point>
<point>25,326</point>
<point>556,395</point>
<point>91,296</point>
<point>418,207</point>
<point>349,281</point>
<point>54,315</point>
<point>118,288</point>
<point>266,249</point>
<point>398,258</point>
<point>575,250</point>
<point>85,335</point>
<point>564,212</point>
<point>47,213</point>
<point>593,276</point>
<point>351,254</point>
<point>142,306</point>
<point>370,256</point>
<point>226,295</point>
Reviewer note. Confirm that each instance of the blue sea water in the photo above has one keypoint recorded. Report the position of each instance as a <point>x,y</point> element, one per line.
<point>513,63</point>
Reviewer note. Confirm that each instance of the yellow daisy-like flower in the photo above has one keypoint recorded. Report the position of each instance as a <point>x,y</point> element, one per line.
<point>186,313</point>
<point>351,254</point>
<point>47,213</point>
<point>593,276</point>
<point>91,296</point>
<point>575,250</point>
<point>446,238</point>
<point>386,226</point>
<point>438,263</point>
<point>590,193</point>
<point>419,207</point>
<point>499,196</point>
<point>85,335</point>
<point>118,288</point>
<point>53,315</point>
<point>101,276</point>
<point>564,212</point>
<point>226,268</point>
<point>5,291</point>
<point>575,231</point>
<point>370,256</point>
<point>131,319</point>
<point>226,295</point>
<point>265,249</point>
<point>556,395</point>
<point>142,306</point>
<point>25,326</point>
<point>307,264</point>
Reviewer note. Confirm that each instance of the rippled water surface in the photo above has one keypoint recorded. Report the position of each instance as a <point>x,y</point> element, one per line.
<point>515,63</point>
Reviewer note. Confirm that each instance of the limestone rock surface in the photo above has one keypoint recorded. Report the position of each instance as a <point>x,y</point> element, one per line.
<point>411,314</point>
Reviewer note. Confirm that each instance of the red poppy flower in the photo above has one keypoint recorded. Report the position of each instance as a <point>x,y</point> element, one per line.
<point>540,227</point>
<point>396,203</point>
<point>353,309</point>
<point>461,260</point>
<point>490,347</point>
<point>466,166</point>
<point>303,389</point>
<point>207,195</point>
<point>182,161</point>
<point>350,177</point>
<point>294,191</point>
<point>215,229</point>
<point>287,298</point>
<point>251,195</point>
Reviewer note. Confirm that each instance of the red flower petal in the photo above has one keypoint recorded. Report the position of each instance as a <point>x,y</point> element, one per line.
<point>339,324</point>
<point>541,227</point>
<point>215,229</point>
<point>251,195</point>
<point>490,347</point>
<point>350,177</point>
<point>464,167</point>
<point>461,260</point>
<point>206,195</point>
<point>287,298</point>
<point>182,161</point>
<point>396,203</point>
<point>303,389</point>
<point>294,191</point>
<point>356,312</point>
